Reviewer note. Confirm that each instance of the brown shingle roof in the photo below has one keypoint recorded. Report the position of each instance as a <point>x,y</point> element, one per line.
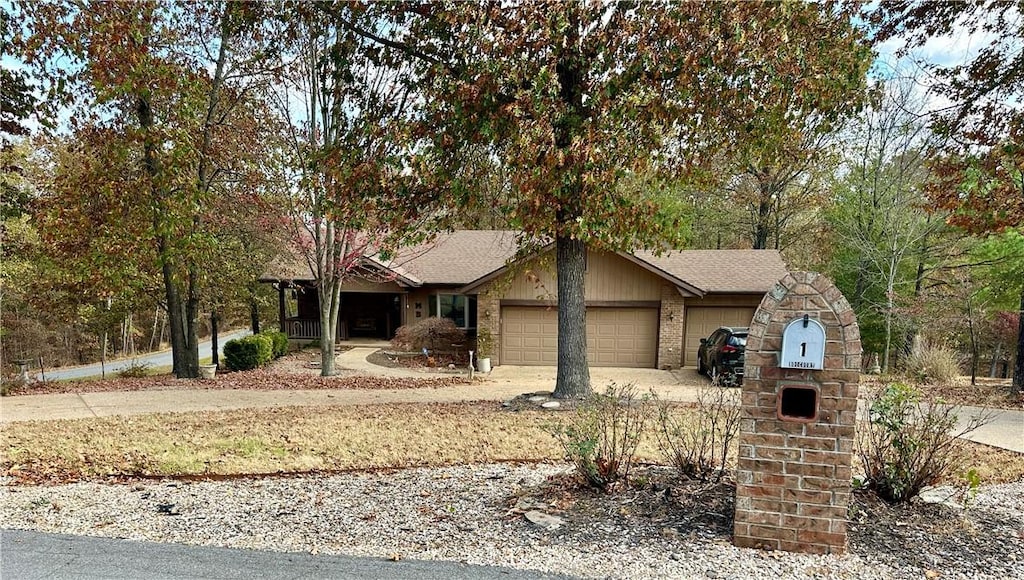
<point>720,271</point>
<point>465,256</point>
<point>458,257</point>
<point>288,265</point>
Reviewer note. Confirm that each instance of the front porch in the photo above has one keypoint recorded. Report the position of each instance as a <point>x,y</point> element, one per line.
<point>363,315</point>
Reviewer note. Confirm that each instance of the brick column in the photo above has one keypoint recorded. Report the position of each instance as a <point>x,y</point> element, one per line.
<point>488,312</point>
<point>670,329</point>
<point>793,477</point>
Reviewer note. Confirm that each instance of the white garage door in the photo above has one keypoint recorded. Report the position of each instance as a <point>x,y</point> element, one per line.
<point>702,321</point>
<point>616,337</point>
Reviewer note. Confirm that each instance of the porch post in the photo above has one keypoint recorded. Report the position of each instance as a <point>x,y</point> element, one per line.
<point>280,307</point>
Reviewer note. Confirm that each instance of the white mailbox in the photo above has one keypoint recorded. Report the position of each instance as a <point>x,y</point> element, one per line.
<point>803,344</point>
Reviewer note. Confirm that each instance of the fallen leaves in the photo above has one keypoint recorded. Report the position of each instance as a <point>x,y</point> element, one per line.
<point>254,380</point>
<point>278,440</point>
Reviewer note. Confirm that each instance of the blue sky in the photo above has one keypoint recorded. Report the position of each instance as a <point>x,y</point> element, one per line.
<point>958,48</point>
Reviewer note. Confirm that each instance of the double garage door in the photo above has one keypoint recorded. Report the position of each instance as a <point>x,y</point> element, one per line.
<point>702,321</point>
<point>616,337</point>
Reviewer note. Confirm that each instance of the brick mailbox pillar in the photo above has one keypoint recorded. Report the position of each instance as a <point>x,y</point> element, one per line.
<point>799,403</point>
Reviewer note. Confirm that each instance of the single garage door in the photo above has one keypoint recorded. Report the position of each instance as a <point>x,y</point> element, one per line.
<point>616,337</point>
<point>701,321</point>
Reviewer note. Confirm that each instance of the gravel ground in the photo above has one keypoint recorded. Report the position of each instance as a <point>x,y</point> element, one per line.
<point>469,514</point>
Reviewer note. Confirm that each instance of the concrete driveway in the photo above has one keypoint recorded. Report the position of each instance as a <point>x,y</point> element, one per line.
<point>678,385</point>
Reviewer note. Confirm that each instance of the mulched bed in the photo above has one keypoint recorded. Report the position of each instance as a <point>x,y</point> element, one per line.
<point>440,361</point>
<point>254,380</point>
<point>941,537</point>
<point>660,502</point>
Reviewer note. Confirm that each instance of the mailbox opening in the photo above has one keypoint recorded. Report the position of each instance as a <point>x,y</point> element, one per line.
<point>798,403</point>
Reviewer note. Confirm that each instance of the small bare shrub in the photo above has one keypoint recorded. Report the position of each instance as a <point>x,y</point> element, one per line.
<point>603,433</point>
<point>433,334</point>
<point>697,443</point>
<point>933,364</point>
<point>8,385</point>
<point>136,370</point>
<point>908,445</point>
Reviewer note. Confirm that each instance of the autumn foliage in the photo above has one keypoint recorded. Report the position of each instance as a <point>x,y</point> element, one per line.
<point>433,334</point>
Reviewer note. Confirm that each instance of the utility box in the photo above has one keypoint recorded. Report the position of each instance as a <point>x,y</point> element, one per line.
<point>799,399</point>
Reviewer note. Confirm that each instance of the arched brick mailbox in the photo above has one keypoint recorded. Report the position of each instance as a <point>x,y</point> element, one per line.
<point>799,402</point>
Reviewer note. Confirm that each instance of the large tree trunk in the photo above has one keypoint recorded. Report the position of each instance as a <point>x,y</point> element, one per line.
<point>183,314</point>
<point>1018,369</point>
<point>573,379</point>
<point>175,317</point>
<point>330,305</point>
<point>326,341</point>
<point>185,330</point>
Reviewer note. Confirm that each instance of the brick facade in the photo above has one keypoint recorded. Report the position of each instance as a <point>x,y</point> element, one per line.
<point>670,329</point>
<point>488,310</point>
<point>793,477</point>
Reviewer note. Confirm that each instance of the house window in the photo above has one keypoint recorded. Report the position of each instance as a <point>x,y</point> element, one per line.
<point>460,309</point>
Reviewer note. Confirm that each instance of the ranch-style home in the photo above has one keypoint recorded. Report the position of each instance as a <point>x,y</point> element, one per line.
<point>642,310</point>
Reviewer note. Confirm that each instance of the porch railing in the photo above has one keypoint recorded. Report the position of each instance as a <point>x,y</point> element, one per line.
<point>303,328</point>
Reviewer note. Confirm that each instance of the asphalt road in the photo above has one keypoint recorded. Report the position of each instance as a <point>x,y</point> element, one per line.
<point>155,359</point>
<point>37,556</point>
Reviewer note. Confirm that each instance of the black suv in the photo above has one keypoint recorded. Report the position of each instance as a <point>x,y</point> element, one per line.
<point>720,355</point>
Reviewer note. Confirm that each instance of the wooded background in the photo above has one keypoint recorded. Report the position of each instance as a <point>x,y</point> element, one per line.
<point>157,156</point>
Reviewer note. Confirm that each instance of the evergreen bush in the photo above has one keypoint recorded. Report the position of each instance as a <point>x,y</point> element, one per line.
<point>279,340</point>
<point>242,354</point>
<point>264,348</point>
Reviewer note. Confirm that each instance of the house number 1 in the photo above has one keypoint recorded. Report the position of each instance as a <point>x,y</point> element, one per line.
<point>803,344</point>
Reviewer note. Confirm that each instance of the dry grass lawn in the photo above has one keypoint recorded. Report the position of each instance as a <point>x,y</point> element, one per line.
<point>259,441</point>
<point>297,440</point>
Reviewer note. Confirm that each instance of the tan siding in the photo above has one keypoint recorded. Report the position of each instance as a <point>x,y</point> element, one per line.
<point>609,278</point>
<point>363,285</point>
<point>752,300</point>
<point>534,280</point>
<point>418,296</point>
